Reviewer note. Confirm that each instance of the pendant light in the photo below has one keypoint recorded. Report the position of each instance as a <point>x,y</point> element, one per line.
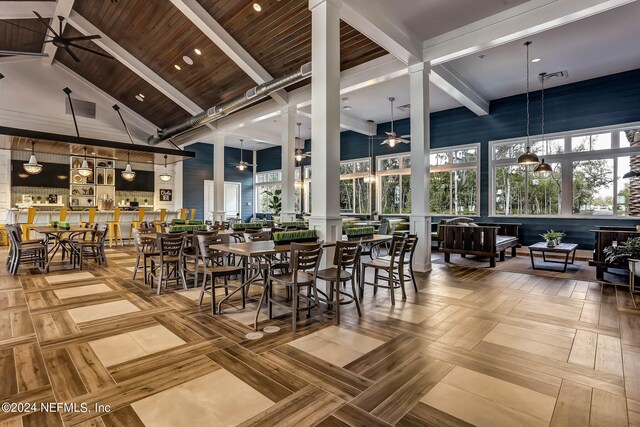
<point>370,179</point>
<point>127,174</point>
<point>542,166</point>
<point>528,158</point>
<point>33,167</point>
<point>165,175</point>
<point>300,154</point>
<point>85,170</point>
<point>392,139</point>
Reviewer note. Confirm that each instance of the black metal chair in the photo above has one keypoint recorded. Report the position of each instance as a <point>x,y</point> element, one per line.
<point>32,252</point>
<point>91,249</point>
<point>165,267</point>
<point>145,249</point>
<point>411,243</point>
<point>394,269</point>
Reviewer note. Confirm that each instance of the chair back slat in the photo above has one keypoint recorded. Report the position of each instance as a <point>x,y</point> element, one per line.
<point>306,256</point>
<point>347,254</point>
<point>171,244</point>
<point>260,236</point>
<point>204,241</point>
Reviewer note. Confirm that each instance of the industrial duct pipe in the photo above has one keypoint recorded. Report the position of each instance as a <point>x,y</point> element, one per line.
<point>219,111</point>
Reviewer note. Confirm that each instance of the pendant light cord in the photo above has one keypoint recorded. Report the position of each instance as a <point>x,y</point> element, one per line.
<point>528,137</point>
<point>542,78</point>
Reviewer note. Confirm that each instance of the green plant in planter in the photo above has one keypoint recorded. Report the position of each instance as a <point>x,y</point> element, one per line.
<point>275,201</point>
<point>294,224</point>
<point>247,225</point>
<point>178,221</point>
<point>621,253</point>
<point>360,231</point>
<point>282,237</point>
<point>553,237</point>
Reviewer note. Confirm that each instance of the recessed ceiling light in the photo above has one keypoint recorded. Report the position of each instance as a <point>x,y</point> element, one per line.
<point>93,153</point>
<point>345,99</point>
<point>257,7</point>
<point>149,161</point>
<point>536,60</point>
<point>346,107</point>
<point>139,98</point>
<point>482,56</point>
<point>197,51</point>
<point>177,67</point>
<point>187,60</point>
<point>141,95</point>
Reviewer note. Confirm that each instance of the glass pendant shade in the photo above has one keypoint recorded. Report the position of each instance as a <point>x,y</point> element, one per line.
<point>33,167</point>
<point>528,158</point>
<point>165,176</point>
<point>128,174</point>
<point>542,167</point>
<point>84,170</point>
<point>242,166</point>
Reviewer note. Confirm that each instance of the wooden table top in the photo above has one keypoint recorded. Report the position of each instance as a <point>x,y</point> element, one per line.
<point>376,238</point>
<point>58,230</point>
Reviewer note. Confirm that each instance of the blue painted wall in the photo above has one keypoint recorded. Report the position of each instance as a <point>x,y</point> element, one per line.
<point>200,168</point>
<point>194,172</point>
<point>608,100</point>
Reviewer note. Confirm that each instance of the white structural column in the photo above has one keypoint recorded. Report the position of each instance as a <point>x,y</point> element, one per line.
<point>218,177</point>
<point>420,220</point>
<point>325,120</point>
<point>288,167</point>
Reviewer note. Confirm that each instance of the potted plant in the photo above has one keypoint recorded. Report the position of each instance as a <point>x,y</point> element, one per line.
<point>621,253</point>
<point>275,203</point>
<point>553,238</point>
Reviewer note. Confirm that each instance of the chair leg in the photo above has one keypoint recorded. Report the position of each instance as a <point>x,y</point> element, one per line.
<point>294,306</point>
<point>404,292</point>
<point>355,297</point>
<point>202,289</point>
<point>391,288</point>
<point>337,301</point>
<point>213,295</point>
<point>317,298</point>
<point>413,278</point>
<point>135,269</point>
<point>160,278</point>
<point>361,285</point>
<point>266,292</point>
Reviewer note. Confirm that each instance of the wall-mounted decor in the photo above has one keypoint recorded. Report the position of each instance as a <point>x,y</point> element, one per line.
<point>166,195</point>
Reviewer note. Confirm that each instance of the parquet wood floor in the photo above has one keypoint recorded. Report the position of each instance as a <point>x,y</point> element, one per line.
<point>472,347</point>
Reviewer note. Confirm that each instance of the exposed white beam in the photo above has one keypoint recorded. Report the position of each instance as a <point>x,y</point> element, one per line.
<point>458,89</point>
<point>372,19</point>
<point>351,123</point>
<point>63,8</point>
<point>221,38</point>
<point>532,17</point>
<point>375,20</point>
<point>24,9</point>
<point>134,64</point>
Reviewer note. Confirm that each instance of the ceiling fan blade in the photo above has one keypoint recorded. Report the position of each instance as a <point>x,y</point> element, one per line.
<point>75,39</point>
<point>91,50</point>
<point>46,23</point>
<point>24,28</point>
<point>13,53</point>
<point>405,136</point>
<point>406,141</point>
<point>391,134</point>
<point>73,55</point>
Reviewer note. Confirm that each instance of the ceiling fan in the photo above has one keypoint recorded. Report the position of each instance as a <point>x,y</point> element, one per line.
<point>242,165</point>
<point>57,39</point>
<point>393,139</point>
<point>300,153</point>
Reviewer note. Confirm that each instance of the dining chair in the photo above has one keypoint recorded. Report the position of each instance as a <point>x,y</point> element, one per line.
<point>345,269</point>
<point>304,262</point>
<point>33,252</point>
<point>91,249</point>
<point>183,213</point>
<point>411,242</point>
<point>91,217</point>
<point>29,225</point>
<point>165,266</point>
<point>190,255</point>
<point>161,219</point>
<point>394,269</point>
<point>145,249</point>
<point>213,271</point>
<point>193,213</point>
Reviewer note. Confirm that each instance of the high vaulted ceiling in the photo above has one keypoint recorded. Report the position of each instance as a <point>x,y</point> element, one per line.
<point>474,48</point>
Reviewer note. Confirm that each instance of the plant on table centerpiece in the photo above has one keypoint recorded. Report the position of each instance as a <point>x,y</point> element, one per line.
<point>621,253</point>
<point>553,238</point>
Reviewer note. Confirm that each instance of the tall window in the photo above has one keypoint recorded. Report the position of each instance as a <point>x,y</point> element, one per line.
<point>354,191</point>
<point>266,183</point>
<point>394,191</point>
<point>586,177</point>
<point>454,184</point>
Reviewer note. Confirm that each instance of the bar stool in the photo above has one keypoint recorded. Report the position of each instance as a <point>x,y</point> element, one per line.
<point>114,228</point>
<point>62,215</point>
<point>32,213</point>
<point>193,213</point>
<point>158,222</point>
<point>91,217</point>
<point>183,213</point>
<point>136,224</point>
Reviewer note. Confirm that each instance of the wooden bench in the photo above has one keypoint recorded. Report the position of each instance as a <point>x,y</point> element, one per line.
<point>605,236</point>
<point>483,239</point>
<point>437,236</point>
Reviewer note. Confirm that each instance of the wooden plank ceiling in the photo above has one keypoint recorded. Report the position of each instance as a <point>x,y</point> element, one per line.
<point>278,37</point>
<point>19,39</point>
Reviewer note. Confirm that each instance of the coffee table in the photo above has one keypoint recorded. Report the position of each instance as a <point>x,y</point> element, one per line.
<point>562,248</point>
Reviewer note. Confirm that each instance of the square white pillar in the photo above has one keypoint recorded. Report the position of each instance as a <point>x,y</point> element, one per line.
<point>325,119</point>
<point>420,143</point>
<point>288,166</point>
<point>218,178</point>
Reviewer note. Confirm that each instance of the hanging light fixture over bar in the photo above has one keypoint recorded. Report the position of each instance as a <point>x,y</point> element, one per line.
<point>85,170</point>
<point>165,176</point>
<point>33,167</point>
<point>128,174</point>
